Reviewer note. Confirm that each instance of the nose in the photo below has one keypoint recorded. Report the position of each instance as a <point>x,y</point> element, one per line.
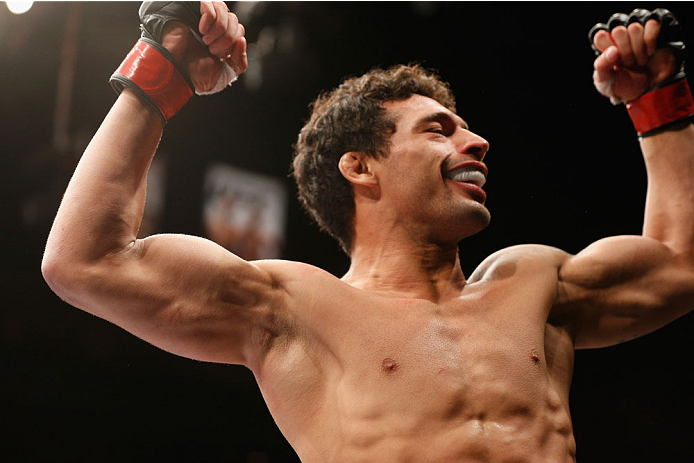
<point>471,144</point>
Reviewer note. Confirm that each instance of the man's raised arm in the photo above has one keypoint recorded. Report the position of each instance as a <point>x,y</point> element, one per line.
<point>183,294</point>
<point>623,287</point>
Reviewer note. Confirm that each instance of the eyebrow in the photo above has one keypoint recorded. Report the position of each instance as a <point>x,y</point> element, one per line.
<point>441,116</point>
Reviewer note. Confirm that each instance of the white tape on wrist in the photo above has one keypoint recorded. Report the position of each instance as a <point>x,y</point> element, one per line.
<point>605,89</point>
<point>226,77</point>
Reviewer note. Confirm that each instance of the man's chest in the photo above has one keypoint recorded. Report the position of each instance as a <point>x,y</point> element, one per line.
<point>457,359</point>
<point>480,356</point>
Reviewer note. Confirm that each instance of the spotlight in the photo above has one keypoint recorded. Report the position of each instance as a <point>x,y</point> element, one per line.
<point>19,7</point>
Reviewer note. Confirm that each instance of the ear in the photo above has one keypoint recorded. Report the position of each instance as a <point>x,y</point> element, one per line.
<point>358,169</point>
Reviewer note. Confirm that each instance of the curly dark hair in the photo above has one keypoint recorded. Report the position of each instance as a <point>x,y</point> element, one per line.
<point>352,118</point>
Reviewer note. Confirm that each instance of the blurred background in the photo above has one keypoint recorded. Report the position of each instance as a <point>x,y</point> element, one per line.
<point>565,170</point>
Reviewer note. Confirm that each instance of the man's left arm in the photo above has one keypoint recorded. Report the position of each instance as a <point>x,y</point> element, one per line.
<point>623,287</point>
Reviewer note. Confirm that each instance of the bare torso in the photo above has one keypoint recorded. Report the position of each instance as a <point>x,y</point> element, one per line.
<point>367,376</point>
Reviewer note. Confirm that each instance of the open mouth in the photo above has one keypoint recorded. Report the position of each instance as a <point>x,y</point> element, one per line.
<point>467,174</point>
<point>471,176</point>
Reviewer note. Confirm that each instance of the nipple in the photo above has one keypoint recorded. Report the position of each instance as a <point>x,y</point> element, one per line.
<point>389,365</point>
<point>534,356</point>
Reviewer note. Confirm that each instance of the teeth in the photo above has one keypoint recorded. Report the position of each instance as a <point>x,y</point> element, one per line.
<point>467,175</point>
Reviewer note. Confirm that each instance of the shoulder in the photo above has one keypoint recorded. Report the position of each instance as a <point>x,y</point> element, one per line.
<point>287,273</point>
<point>520,259</point>
<point>305,286</point>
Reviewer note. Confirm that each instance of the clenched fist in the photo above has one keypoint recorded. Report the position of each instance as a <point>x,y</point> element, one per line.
<point>223,42</point>
<point>631,62</point>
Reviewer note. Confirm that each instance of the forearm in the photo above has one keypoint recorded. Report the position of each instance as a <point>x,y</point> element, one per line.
<point>669,214</point>
<point>103,204</point>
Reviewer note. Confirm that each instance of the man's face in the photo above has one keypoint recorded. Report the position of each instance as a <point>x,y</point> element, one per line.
<point>433,174</point>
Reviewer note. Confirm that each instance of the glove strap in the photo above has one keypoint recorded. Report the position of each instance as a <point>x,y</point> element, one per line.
<point>150,71</point>
<point>662,107</point>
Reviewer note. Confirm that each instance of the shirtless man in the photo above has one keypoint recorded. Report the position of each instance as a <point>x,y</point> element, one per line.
<point>403,359</point>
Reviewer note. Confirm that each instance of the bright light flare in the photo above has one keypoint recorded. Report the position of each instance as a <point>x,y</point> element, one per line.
<point>19,7</point>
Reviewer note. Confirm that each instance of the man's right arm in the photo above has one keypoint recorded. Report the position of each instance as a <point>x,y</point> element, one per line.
<point>184,294</point>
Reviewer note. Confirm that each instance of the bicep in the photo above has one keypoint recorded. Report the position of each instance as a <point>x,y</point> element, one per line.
<point>620,288</point>
<point>185,295</point>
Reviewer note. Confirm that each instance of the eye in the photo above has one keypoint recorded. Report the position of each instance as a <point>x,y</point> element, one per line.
<point>436,129</point>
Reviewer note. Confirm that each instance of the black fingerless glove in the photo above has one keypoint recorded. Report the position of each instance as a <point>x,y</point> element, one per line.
<point>670,102</point>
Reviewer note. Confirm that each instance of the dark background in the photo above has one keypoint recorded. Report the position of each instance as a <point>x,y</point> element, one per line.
<point>565,170</point>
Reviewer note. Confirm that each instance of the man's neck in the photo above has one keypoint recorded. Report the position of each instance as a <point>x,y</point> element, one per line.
<point>430,272</point>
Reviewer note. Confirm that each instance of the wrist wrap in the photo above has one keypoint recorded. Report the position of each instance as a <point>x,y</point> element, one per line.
<point>662,107</point>
<point>149,69</point>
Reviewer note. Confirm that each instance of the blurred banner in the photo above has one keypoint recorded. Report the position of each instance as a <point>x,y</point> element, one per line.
<point>245,212</point>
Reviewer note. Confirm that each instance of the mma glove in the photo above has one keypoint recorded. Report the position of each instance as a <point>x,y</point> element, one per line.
<point>669,102</point>
<point>149,69</point>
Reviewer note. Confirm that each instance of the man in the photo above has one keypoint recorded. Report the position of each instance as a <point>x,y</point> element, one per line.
<point>403,358</point>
